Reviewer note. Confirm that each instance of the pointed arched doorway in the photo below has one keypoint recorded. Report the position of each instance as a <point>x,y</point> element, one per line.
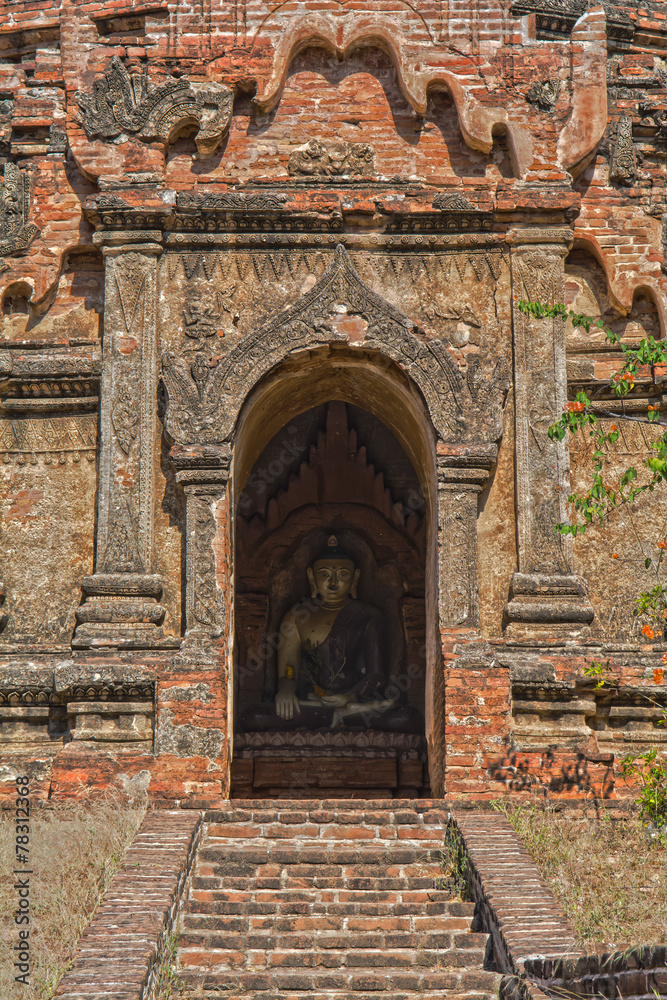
<point>339,342</point>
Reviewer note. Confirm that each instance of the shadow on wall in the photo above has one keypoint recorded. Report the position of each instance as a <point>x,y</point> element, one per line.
<point>552,772</point>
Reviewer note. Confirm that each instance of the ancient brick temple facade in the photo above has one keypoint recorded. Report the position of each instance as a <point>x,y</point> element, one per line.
<point>259,281</point>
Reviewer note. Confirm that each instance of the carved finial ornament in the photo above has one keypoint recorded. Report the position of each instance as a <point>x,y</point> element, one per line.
<point>16,232</point>
<point>122,103</point>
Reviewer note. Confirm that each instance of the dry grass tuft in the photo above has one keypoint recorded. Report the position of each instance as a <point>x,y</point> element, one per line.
<point>75,850</point>
<point>610,879</point>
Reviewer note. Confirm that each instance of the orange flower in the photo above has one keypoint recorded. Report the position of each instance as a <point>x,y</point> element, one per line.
<point>664,658</point>
<point>648,632</point>
<point>658,674</point>
<point>664,613</point>
<point>614,555</point>
<point>662,545</point>
<point>614,427</point>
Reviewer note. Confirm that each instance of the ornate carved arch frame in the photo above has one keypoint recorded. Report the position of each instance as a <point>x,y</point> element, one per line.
<point>460,416</point>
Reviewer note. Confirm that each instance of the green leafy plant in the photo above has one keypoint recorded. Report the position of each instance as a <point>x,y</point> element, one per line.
<point>605,495</point>
<point>585,411</point>
<point>602,673</point>
<point>650,776</point>
<point>168,986</point>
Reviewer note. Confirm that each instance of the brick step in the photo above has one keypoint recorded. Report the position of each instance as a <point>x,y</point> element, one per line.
<point>273,829</point>
<point>219,953</point>
<point>352,882</point>
<point>317,852</point>
<point>413,869</point>
<point>419,902</point>
<point>339,983</point>
<point>328,940</point>
<point>366,811</point>
<point>195,922</point>
<point>270,994</point>
<point>336,900</point>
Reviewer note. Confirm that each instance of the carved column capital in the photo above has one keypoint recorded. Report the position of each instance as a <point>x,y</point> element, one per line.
<point>205,465</point>
<point>559,238</point>
<point>466,468</point>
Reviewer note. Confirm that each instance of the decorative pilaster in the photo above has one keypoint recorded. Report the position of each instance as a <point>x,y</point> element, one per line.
<point>545,594</point>
<point>204,475</point>
<point>121,607</point>
<point>462,475</point>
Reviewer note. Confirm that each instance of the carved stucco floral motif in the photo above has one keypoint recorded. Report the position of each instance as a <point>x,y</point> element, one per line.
<point>623,163</point>
<point>204,400</point>
<point>544,94</point>
<point>125,418</point>
<point>333,159</point>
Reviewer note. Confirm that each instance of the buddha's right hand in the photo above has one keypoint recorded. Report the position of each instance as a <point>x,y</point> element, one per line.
<point>287,702</point>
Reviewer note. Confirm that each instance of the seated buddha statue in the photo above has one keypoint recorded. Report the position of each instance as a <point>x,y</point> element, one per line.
<point>332,659</point>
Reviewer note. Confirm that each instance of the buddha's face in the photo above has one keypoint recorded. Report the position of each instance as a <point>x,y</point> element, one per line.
<point>334,579</point>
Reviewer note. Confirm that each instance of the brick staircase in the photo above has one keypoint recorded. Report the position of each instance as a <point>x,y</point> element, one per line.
<point>334,899</point>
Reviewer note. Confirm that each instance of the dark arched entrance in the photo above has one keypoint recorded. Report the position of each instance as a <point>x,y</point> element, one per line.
<point>333,471</point>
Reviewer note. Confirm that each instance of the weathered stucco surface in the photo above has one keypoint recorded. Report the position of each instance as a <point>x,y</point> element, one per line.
<point>295,207</point>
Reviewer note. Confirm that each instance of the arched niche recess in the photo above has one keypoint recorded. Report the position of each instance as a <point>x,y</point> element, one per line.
<point>315,478</point>
<point>341,342</point>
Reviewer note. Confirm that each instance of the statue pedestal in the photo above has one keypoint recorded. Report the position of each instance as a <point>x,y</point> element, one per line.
<point>329,764</point>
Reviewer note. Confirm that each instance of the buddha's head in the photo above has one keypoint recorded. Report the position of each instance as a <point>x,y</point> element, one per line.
<point>333,575</point>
